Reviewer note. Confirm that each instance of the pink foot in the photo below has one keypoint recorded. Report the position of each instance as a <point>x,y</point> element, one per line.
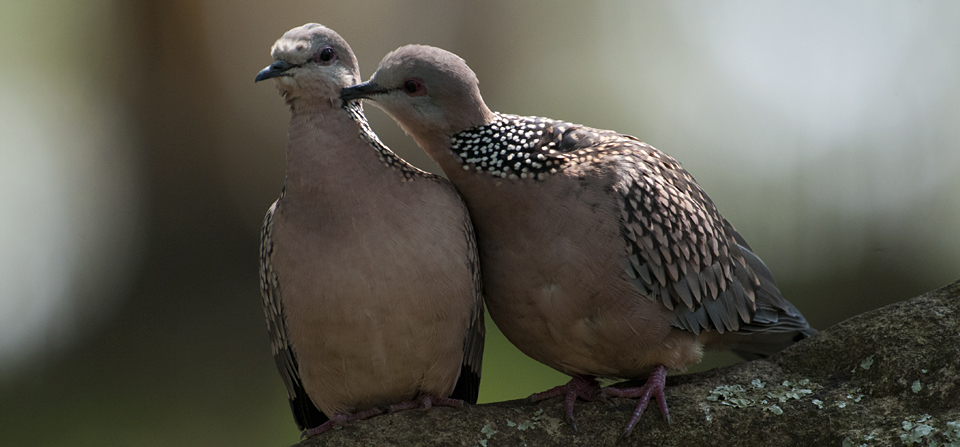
<point>424,402</point>
<point>340,419</point>
<point>584,387</point>
<point>653,387</point>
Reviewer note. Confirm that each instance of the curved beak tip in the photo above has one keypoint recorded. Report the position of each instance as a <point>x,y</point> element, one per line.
<point>276,69</point>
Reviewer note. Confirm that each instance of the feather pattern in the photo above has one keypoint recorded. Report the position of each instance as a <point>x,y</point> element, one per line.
<point>680,250</point>
<point>305,413</point>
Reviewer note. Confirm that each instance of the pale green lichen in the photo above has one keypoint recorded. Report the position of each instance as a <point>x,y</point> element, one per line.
<point>550,424</point>
<point>525,424</point>
<point>732,395</point>
<point>847,442</point>
<point>867,363</point>
<point>774,409</point>
<point>952,433</point>
<point>818,403</point>
<point>785,394</point>
<point>488,431</point>
<point>738,396</point>
<point>857,397</point>
<point>738,403</point>
<point>918,432</point>
<point>916,387</point>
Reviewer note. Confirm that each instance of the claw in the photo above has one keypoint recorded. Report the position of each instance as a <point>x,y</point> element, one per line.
<point>653,388</point>
<point>584,387</point>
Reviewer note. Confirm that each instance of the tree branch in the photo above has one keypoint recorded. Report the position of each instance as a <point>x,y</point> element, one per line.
<point>886,377</point>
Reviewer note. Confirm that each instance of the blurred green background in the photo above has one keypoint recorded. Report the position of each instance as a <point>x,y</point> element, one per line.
<point>137,158</point>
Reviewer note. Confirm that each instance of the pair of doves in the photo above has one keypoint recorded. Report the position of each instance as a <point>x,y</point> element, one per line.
<point>597,254</point>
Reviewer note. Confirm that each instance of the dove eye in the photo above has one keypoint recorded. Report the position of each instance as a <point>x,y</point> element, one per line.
<point>414,87</point>
<point>325,56</point>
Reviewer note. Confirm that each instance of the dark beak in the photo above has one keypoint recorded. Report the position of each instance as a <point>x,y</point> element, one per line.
<point>361,91</point>
<point>278,68</point>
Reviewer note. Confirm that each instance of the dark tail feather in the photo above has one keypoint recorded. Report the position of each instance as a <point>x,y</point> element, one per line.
<point>762,345</point>
<point>305,413</point>
<point>468,386</point>
<point>776,323</point>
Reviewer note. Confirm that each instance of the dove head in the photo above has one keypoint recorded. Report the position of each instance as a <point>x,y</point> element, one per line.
<point>311,63</point>
<point>430,92</point>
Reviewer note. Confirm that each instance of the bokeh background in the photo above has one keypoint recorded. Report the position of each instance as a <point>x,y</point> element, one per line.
<point>137,158</point>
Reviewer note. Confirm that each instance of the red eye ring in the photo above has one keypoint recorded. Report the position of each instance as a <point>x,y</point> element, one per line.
<point>414,87</point>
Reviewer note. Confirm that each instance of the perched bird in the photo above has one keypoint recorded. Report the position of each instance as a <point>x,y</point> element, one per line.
<point>602,257</point>
<point>368,266</point>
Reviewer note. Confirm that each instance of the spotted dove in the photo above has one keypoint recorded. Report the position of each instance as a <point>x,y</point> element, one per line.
<point>368,266</point>
<point>602,256</point>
